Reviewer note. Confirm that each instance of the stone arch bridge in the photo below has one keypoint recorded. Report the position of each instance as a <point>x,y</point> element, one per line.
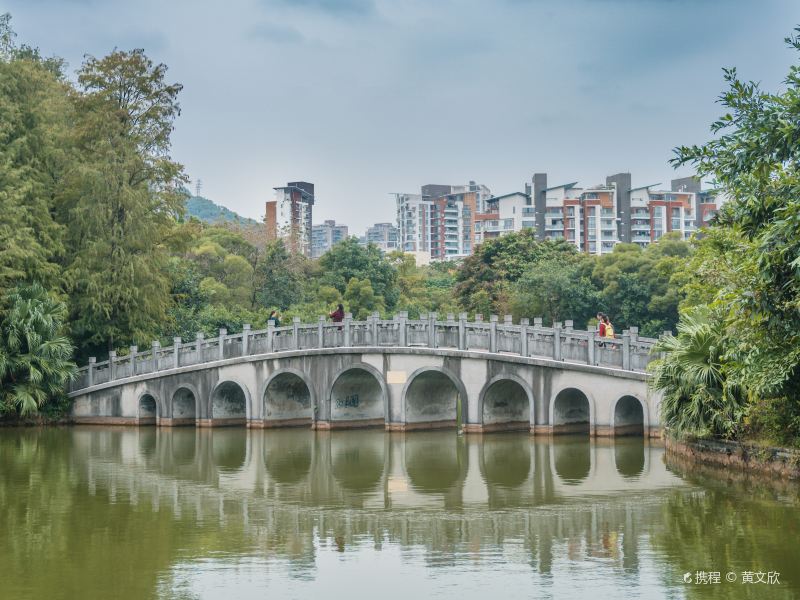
<point>398,374</point>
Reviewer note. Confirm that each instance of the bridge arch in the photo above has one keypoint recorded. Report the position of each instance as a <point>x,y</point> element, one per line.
<point>184,407</point>
<point>358,395</point>
<point>148,408</point>
<point>572,410</point>
<point>433,382</point>
<point>227,403</point>
<point>288,399</point>
<point>629,415</point>
<point>506,403</point>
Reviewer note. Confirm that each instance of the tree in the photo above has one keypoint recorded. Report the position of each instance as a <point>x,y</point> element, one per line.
<point>361,300</point>
<point>280,280</point>
<point>35,356</point>
<point>119,203</point>
<point>497,264</point>
<point>348,260</point>
<point>555,291</point>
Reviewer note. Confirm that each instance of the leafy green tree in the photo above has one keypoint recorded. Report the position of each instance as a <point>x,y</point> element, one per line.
<point>348,260</point>
<point>360,299</point>
<point>497,264</point>
<point>35,356</point>
<point>280,278</point>
<point>555,290</point>
<point>119,204</point>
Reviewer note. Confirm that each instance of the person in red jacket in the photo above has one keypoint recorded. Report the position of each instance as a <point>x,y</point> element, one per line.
<point>601,328</point>
<point>338,315</point>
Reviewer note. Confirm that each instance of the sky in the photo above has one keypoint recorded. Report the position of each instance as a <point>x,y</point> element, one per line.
<point>364,98</point>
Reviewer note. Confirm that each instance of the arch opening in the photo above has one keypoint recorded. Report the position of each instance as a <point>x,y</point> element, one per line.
<point>184,407</point>
<point>287,400</point>
<point>628,417</point>
<point>506,407</point>
<point>431,401</point>
<point>571,412</point>
<point>228,404</point>
<point>357,397</point>
<point>148,410</point>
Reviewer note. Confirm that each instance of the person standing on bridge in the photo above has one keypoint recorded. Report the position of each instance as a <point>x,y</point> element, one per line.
<point>275,318</point>
<point>338,315</point>
<point>601,329</point>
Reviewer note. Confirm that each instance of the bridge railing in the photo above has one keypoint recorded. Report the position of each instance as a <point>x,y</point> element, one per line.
<point>559,342</point>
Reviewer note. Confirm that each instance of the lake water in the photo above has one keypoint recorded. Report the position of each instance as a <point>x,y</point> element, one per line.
<point>95,512</point>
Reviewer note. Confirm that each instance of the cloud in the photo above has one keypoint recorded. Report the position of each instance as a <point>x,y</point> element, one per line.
<point>342,8</point>
<point>279,34</point>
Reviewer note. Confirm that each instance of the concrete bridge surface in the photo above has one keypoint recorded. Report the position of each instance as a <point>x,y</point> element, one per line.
<point>397,374</point>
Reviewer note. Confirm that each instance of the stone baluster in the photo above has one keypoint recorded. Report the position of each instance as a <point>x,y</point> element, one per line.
<point>348,320</point>
<point>568,325</point>
<point>90,370</point>
<point>478,318</point>
<point>590,358</point>
<point>557,341</point>
<point>270,335</point>
<point>432,330</point>
<point>245,339</point>
<point>112,365</point>
<point>374,328</point>
<point>462,331</point>
<point>402,330</point>
<point>222,333</point>
<point>626,350</point>
<point>508,320</point>
<point>493,333</point>
<point>523,336</point>
<point>199,340</point>
<point>133,350</point>
<point>156,346</point>
<point>296,333</point>
<point>321,332</point>
<point>176,352</point>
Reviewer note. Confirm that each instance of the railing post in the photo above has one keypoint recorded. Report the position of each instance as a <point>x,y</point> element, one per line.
<point>590,347</point>
<point>296,333</point>
<point>626,350</point>
<point>222,333</point>
<point>112,365</point>
<point>199,339</point>
<point>133,350</point>
<point>557,341</point>
<point>523,336</point>
<point>508,320</point>
<point>478,318</point>
<point>568,325</point>
<point>245,339</point>
<point>402,337</point>
<point>270,335</point>
<point>321,332</point>
<point>90,370</point>
<point>156,345</point>
<point>176,349</point>
<point>348,318</point>
<point>493,333</point>
<point>432,330</point>
<point>374,328</point>
<point>462,331</point>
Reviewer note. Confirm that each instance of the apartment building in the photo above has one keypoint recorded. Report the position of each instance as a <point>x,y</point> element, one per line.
<point>384,235</point>
<point>289,216</point>
<point>413,222</point>
<point>325,235</point>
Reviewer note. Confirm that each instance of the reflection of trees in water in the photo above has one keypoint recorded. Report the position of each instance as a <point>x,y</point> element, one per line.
<point>573,459</point>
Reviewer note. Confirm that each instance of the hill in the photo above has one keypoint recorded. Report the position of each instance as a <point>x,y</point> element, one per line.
<point>205,210</point>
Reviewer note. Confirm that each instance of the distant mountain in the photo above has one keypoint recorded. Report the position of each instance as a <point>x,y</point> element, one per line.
<point>209,212</point>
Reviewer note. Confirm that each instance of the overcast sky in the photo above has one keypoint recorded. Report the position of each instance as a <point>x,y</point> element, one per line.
<point>368,97</point>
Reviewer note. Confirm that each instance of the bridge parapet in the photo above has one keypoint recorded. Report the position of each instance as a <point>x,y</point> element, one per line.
<point>561,342</point>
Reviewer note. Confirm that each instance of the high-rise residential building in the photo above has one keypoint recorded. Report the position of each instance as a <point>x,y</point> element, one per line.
<point>413,222</point>
<point>289,216</point>
<point>384,235</point>
<point>324,236</point>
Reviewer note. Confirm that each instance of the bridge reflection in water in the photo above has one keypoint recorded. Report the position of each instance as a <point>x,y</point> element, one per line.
<point>223,513</point>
